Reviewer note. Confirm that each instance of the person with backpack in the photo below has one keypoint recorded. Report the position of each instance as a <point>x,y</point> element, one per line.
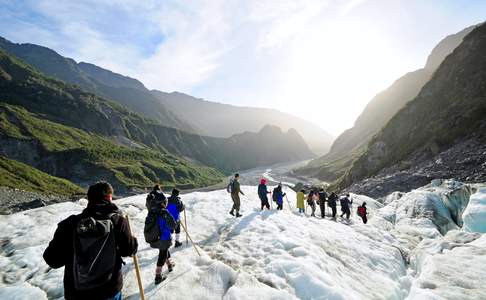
<point>175,206</point>
<point>278,194</point>
<point>301,201</point>
<point>90,247</point>
<point>345,206</point>
<point>159,225</point>
<point>263,192</point>
<point>311,202</point>
<point>362,212</point>
<point>155,197</point>
<point>234,189</point>
<point>332,203</point>
<point>322,202</point>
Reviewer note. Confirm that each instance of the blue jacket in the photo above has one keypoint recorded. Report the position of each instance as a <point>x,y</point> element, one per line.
<point>262,191</point>
<point>279,195</point>
<point>175,206</point>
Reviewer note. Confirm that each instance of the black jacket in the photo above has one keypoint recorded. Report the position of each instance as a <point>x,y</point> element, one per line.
<point>331,201</point>
<point>60,251</point>
<point>322,198</point>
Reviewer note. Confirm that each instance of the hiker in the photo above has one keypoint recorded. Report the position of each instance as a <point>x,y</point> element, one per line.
<point>155,197</point>
<point>300,201</point>
<point>362,212</point>
<point>322,202</point>
<point>345,206</point>
<point>311,202</point>
<point>234,189</point>
<point>90,247</point>
<point>175,207</point>
<point>159,226</point>
<point>263,192</point>
<point>278,194</point>
<point>331,202</point>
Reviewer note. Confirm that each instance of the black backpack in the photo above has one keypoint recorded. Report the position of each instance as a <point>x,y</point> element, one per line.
<point>274,195</point>
<point>95,252</point>
<point>151,230</point>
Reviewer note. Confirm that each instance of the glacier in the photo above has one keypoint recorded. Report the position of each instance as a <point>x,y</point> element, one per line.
<point>425,244</point>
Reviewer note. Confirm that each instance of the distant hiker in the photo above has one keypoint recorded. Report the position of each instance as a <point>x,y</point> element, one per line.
<point>311,198</point>
<point>263,192</point>
<point>155,197</point>
<point>322,202</point>
<point>234,189</point>
<point>279,196</point>
<point>159,225</point>
<point>362,212</point>
<point>331,202</point>
<point>300,201</point>
<point>345,206</point>
<point>90,247</point>
<point>175,207</point>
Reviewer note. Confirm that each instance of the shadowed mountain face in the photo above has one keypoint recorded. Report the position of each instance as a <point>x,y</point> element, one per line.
<point>352,142</point>
<point>440,134</point>
<point>223,120</point>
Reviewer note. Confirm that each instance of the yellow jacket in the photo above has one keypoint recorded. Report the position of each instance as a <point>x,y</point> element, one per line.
<point>300,200</point>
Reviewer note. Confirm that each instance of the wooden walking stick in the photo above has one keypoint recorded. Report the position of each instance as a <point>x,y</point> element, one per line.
<point>137,268</point>
<point>185,222</point>
<point>192,242</point>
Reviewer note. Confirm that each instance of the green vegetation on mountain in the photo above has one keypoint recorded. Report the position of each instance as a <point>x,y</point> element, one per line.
<point>15,174</point>
<point>450,108</point>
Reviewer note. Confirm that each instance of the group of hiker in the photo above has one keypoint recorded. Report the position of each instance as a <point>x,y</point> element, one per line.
<point>91,245</point>
<point>313,199</point>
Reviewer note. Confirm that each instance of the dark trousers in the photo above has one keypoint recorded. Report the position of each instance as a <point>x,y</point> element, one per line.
<point>164,254</point>
<point>279,206</point>
<point>323,209</point>
<point>334,211</point>
<point>265,203</point>
<point>365,219</point>
<point>346,212</point>
<point>178,227</point>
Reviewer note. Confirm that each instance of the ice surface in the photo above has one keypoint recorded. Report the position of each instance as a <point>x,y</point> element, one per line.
<point>276,254</point>
<point>475,214</point>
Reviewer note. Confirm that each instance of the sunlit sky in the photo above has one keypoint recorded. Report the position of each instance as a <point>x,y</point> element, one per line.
<point>321,60</point>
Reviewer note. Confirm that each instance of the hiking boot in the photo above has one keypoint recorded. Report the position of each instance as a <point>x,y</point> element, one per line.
<point>159,278</point>
<point>170,265</point>
<point>177,244</point>
<point>231,213</point>
<point>238,215</point>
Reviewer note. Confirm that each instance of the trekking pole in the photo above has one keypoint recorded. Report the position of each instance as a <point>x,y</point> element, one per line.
<point>192,242</point>
<point>137,268</point>
<point>185,222</point>
<point>288,202</point>
<point>271,200</point>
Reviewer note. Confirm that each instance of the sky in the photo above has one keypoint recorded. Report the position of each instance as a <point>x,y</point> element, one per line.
<point>322,60</point>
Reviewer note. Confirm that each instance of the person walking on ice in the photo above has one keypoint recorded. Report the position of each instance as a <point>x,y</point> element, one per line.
<point>363,212</point>
<point>311,201</point>
<point>263,193</point>
<point>279,196</point>
<point>175,207</point>
<point>234,189</point>
<point>332,203</point>
<point>345,206</point>
<point>301,201</point>
<point>159,225</point>
<point>90,247</point>
<point>322,202</point>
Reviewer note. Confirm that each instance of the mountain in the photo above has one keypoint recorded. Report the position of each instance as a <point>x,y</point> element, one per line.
<point>224,120</point>
<point>121,89</point>
<point>69,133</point>
<point>352,142</point>
<point>439,134</point>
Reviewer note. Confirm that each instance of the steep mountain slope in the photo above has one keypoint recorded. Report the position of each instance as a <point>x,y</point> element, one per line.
<point>124,90</point>
<point>378,112</point>
<point>223,120</point>
<point>442,131</point>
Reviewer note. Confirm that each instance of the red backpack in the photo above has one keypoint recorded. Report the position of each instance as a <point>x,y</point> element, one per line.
<point>361,211</point>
